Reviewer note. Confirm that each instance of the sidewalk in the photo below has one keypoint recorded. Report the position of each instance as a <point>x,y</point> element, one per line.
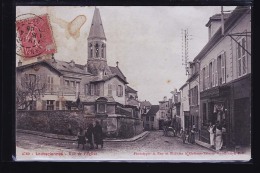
<point>74,138</point>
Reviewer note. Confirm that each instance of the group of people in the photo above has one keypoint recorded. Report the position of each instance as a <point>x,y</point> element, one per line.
<point>93,135</point>
<point>217,133</point>
<point>188,135</point>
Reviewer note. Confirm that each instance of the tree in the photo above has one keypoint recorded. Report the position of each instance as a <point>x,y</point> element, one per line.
<point>30,88</point>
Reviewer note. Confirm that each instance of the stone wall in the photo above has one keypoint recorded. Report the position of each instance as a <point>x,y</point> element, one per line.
<point>58,122</point>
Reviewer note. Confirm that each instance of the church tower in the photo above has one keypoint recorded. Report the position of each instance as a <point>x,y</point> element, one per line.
<point>97,60</point>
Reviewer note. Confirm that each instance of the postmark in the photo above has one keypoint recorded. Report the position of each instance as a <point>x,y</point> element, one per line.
<point>34,36</point>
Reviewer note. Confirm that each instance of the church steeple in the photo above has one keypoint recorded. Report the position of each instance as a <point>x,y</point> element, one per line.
<point>96,30</point>
<point>97,61</point>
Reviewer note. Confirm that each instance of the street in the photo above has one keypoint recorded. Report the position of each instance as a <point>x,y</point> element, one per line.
<point>153,147</point>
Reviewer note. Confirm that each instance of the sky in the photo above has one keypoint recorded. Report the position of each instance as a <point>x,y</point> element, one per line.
<point>146,41</point>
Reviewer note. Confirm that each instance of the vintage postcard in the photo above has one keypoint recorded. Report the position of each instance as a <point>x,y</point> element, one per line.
<point>129,83</point>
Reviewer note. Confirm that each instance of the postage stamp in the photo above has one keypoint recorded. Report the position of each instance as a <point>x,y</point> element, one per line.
<point>34,36</point>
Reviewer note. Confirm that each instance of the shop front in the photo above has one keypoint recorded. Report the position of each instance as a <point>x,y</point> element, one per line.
<point>215,109</point>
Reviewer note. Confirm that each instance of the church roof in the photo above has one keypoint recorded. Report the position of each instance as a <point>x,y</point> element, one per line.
<point>96,29</point>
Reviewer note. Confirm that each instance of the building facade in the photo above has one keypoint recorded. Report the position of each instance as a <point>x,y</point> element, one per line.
<point>95,88</point>
<point>225,79</point>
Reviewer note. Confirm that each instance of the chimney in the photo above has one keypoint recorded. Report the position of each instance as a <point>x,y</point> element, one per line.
<point>72,63</point>
<point>117,64</point>
<point>165,98</point>
<point>86,68</point>
<point>20,63</point>
<point>214,23</point>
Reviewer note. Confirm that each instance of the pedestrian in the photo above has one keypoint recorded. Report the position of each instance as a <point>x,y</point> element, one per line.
<point>89,135</point>
<point>98,134</point>
<point>81,138</point>
<point>69,129</point>
<point>218,141</point>
<point>224,134</point>
<point>192,133</point>
<point>211,130</point>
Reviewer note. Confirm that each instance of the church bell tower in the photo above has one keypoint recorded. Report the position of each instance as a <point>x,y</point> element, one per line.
<point>97,60</point>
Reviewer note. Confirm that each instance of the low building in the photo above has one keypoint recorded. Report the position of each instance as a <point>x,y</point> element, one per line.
<point>151,118</point>
<point>185,106</point>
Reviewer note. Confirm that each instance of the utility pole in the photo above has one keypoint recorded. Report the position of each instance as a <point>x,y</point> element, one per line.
<point>185,49</point>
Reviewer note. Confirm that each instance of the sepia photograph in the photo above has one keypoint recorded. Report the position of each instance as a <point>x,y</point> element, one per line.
<point>133,83</point>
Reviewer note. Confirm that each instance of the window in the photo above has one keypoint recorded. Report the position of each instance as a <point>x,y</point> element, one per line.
<point>97,50</point>
<point>119,90</point>
<point>50,104</point>
<point>223,67</point>
<point>241,57</point>
<point>97,89</point>
<point>219,69</point>
<point>203,78</point>
<point>210,75</point>
<point>152,119</point>
<point>109,89</point>
<point>67,83</point>
<point>73,84</point>
<point>91,50</point>
<point>213,73</point>
<point>102,51</point>
<point>32,105</point>
<point>92,89</point>
<point>86,89</point>
<point>77,87</point>
<point>57,105</point>
<point>147,118</point>
<point>50,83</point>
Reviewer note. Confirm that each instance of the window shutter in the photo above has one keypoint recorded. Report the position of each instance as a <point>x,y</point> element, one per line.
<point>201,80</point>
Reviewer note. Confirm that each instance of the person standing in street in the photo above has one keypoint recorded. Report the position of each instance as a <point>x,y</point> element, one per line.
<point>211,131</point>
<point>89,135</point>
<point>98,135</point>
<point>219,140</point>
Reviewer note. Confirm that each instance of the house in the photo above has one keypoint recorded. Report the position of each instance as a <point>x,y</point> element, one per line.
<point>176,108</point>
<point>225,78</point>
<point>151,119</point>
<point>185,106</point>
<point>95,88</point>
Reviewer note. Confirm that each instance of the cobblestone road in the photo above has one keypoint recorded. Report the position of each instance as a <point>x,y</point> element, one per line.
<point>153,147</point>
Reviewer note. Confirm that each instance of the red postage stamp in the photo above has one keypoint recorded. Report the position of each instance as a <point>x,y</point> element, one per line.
<point>34,36</point>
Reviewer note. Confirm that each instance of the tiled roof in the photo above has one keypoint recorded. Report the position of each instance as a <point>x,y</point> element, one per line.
<point>106,77</point>
<point>65,66</point>
<point>117,71</point>
<point>154,109</point>
<point>145,103</point>
<point>133,102</point>
<point>130,90</point>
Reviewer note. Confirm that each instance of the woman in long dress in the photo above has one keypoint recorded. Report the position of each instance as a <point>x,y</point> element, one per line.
<point>219,140</point>
<point>212,134</point>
